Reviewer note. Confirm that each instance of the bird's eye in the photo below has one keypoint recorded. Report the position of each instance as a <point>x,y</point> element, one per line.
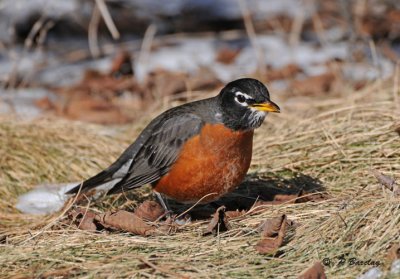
<point>241,98</point>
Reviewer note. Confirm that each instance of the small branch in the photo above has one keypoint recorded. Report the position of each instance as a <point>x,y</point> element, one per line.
<point>248,24</point>
<point>93,32</point>
<point>145,50</point>
<point>107,19</point>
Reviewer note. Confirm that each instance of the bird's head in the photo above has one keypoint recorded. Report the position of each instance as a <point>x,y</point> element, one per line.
<point>245,103</point>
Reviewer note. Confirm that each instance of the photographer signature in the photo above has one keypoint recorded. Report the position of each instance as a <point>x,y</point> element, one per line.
<point>350,261</point>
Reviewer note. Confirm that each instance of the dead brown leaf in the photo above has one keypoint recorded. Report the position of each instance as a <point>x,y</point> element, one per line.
<point>218,223</point>
<point>234,214</point>
<point>271,227</point>
<point>316,271</point>
<point>273,233</point>
<point>227,55</point>
<point>381,25</point>
<point>149,210</point>
<point>313,86</point>
<point>125,221</point>
<point>122,65</point>
<point>84,219</point>
<point>45,103</point>
<point>287,72</point>
<point>394,252</point>
<point>91,109</point>
<point>119,220</point>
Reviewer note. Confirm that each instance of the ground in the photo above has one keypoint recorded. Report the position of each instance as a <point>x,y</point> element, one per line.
<point>334,146</point>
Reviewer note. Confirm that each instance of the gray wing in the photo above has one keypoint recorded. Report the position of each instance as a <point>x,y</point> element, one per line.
<point>150,156</point>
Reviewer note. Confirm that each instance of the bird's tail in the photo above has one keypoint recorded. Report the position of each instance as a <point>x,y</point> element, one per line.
<point>99,179</point>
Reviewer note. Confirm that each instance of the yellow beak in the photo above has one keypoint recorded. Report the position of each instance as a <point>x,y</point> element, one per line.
<point>267,106</point>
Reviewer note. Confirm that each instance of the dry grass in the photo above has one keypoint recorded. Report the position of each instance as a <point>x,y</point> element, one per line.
<point>336,141</point>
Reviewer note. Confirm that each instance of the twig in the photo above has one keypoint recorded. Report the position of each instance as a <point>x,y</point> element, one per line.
<point>93,32</point>
<point>43,32</point>
<point>145,49</point>
<point>319,28</point>
<point>248,24</point>
<point>34,31</point>
<point>107,19</point>
<point>297,26</point>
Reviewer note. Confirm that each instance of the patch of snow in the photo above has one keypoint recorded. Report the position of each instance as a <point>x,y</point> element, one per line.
<point>49,198</point>
<point>192,54</point>
<point>395,268</point>
<point>22,101</point>
<point>373,273</point>
<point>188,57</point>
<point>44,199</point>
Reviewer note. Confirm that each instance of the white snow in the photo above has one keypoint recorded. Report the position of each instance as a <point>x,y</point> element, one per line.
<point>49,198</point>
<point>44,199</point>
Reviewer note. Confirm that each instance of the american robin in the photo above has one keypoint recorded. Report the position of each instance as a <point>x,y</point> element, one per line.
<point>197,150</point>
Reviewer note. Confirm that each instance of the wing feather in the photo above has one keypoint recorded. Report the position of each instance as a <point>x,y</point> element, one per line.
<point>159,152</point>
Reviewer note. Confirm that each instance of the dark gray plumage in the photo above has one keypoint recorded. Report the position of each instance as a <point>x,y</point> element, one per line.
<point>157,148</point>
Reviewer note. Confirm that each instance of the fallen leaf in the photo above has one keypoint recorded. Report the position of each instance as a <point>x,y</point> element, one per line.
<point>92,109</point>
<point>384,180</point>
<point>380,25</point>
<point>313,86</point>
<point>287,72</point>
<point>271,227</point>
<point>273,233</point>
<point>316,271</point>
<point>218,222</point>
<point>122,65</point>
<point>149,210</point>
<point>234,213</point>
<point>394,252</point>
<point>125,221</point>
<point>84,219</point>
<point>227,55</point>
<point>45,103</point>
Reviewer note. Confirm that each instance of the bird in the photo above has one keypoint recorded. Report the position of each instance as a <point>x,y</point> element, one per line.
<point>195,152</point>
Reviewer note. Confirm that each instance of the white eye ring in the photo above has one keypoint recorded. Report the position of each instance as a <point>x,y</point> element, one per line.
<point>241,98</point>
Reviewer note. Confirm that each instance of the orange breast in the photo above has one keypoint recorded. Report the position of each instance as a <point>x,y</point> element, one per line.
<point>212,163</point>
